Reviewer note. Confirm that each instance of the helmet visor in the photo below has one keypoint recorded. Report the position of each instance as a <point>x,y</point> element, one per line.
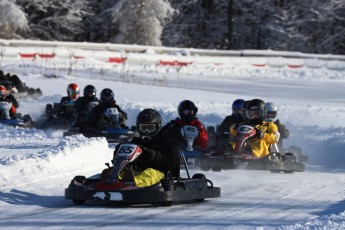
<point>252,114</point>
<point>90,93</point>
<point>74,94</point>
<point>237,110</point>
<point>271,114</point>
<point>147,128</point>
<point>187,112</point>
<point>107,98</point>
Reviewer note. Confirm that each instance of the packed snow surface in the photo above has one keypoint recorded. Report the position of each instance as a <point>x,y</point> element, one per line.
<point>36,166</point>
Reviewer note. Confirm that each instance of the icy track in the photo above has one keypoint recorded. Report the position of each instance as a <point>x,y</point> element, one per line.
<point>36,166</point>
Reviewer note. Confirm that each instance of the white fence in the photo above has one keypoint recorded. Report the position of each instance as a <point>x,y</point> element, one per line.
<point>117,58</point>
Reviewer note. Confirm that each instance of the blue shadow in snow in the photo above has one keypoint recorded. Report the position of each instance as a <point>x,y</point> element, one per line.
<point>332,209</point>
<point>17,197</point>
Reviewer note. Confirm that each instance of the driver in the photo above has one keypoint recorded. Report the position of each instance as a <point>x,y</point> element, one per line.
<point>5,96</point>
<point>85,104</point>
<point>160,153</point>
<point>187,116</point>
<point>266,132</point>
<point>97,119</point>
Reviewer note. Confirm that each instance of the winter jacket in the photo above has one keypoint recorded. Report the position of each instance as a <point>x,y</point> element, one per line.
<point>67,108</point>
<point>11,113</point>
<point>224,127</point>
<point>175,126</point>
<point>260,146</point>
<point>81,104</point>
<point>160,153</point>
<point>83,107</point>
<point>284,133</point>
<point>97,112</point>
<point>13,100</point>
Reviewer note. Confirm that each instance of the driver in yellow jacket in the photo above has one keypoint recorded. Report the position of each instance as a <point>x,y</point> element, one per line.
<point>266,132</point>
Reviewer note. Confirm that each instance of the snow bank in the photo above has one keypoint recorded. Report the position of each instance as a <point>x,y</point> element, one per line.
<point>70,156</point>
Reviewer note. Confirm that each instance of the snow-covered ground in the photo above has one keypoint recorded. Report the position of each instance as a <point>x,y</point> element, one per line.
<point>36,166</point>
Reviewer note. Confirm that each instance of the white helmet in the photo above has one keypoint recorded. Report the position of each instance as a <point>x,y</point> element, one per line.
<point>271,112</point>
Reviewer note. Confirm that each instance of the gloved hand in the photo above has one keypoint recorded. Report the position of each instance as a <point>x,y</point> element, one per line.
<point>258,134</point>
<point>143,148</point>
<point>147,154</point>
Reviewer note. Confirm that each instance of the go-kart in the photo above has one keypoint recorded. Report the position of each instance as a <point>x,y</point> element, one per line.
<point>19,120</point>
<point>113,135</point>
<point>54,119</point>
<point>218,158</point>
<point>22,91</point>
<point>117,187</point>
<point>112,130</point>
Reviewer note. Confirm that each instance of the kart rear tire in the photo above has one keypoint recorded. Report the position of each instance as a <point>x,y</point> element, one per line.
<point>216,169</point>
<point>200,177</point>
<point>82,180</point>
<point>204,167</point>
<point>79,202</point>
<point>167,203</point>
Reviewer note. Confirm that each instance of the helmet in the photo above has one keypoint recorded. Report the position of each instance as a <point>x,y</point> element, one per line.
<point>107,95</point>
<point>149,122</point>
<point>271,112</point>
<point>73,91</point>
<point>89,91</point>
<point>187,110</point>
<point>3,91</point>
<point>255,111</point>
<point>244,110</point>
<point>237,106</point>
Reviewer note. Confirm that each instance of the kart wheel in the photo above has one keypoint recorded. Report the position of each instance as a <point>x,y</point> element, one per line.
<point>200,177</point>
<point>80,179</point>
<point>275,171</point>
<point>288,172</point>
<point>204,167</point>
<point>168,185</point>
<point>216,169</point>
<point>167,203</point>
<point>79,202</point>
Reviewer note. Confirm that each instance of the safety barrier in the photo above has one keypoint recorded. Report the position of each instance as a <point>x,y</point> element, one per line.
<point>106,56</point>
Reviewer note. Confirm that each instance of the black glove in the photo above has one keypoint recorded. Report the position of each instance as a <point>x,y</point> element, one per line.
<point>258,134</point>
<point>147,154</point>
<point>143,148</point>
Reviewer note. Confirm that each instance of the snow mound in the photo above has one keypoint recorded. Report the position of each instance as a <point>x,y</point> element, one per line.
<point>69,156</point>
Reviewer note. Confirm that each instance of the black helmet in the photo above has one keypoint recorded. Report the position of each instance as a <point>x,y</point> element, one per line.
<point>149,122</point>
<point>107,95</point>
<point>255,111</point>
<point>187,110</point>
<point>89,91</point>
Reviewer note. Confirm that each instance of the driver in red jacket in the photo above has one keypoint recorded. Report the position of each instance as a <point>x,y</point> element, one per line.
<point>187,116</point>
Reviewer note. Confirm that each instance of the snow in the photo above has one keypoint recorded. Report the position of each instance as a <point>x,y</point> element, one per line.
<point>36,166</point>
